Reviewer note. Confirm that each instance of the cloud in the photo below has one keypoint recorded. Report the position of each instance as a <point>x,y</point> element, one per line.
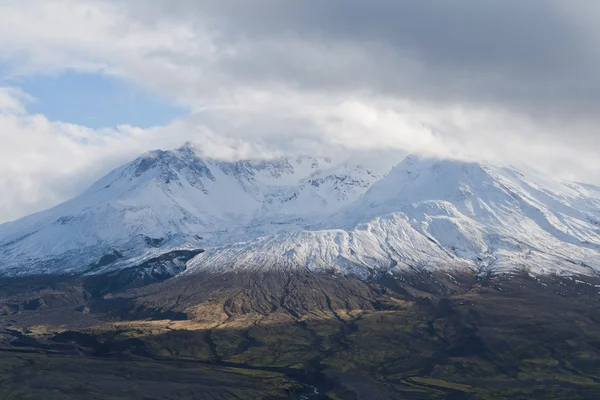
<point>540,57</point>
<point>507,81</point>
<point>515,54</point>
<point>12,100</point>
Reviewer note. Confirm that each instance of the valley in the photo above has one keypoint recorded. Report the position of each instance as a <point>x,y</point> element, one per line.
<point>280,336</point>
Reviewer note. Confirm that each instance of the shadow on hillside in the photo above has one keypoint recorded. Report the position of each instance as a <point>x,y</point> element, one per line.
<point>514,336</point>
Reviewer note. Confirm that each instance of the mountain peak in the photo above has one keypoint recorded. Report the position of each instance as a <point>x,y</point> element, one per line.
<point>165,200</point>
<point>419,179</point>
<point>442,165</point>
<point>168,166</point>
<point>310,212</point>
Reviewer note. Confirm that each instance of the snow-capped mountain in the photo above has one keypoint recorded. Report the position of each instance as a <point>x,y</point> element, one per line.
<point>441,214</point>
<point>177,199</point>
<point>314,214</point>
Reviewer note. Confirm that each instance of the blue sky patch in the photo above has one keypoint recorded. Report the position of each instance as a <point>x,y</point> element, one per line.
<point>96,101</point>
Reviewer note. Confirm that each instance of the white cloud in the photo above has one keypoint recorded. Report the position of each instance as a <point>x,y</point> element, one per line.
<point>45,162</point>
<point>12,100</point>
<point>261,89</point>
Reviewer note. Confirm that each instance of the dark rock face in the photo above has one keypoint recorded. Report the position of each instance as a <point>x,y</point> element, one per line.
<point>37,293</point>
<point>153,242</point>
<point>151,271</point>
<point>169,164</point>
<point>109,258</point>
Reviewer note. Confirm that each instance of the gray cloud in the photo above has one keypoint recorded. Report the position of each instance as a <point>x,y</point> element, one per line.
<point>510,81</point>
<point>538,57</point>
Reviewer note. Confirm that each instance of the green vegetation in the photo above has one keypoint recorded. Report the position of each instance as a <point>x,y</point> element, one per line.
<point>524,342</point>
<point>440,383</point>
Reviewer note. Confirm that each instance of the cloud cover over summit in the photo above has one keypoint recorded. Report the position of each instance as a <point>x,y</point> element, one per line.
<point>509,81</point>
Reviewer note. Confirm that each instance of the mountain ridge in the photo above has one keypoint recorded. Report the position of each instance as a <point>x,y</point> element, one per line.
<point>168,200</point>
<point>462,214</point>
<point>311,213</point>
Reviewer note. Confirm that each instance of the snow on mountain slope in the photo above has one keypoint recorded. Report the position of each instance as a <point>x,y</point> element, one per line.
<point>384,244</point>
<point>441,213</point>
<point>176,199</point>
<point>322,192</point>
<point>470,207</point>
<point>312,213</point>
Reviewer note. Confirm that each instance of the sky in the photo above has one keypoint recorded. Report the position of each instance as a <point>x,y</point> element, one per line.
<point>86,85</point>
